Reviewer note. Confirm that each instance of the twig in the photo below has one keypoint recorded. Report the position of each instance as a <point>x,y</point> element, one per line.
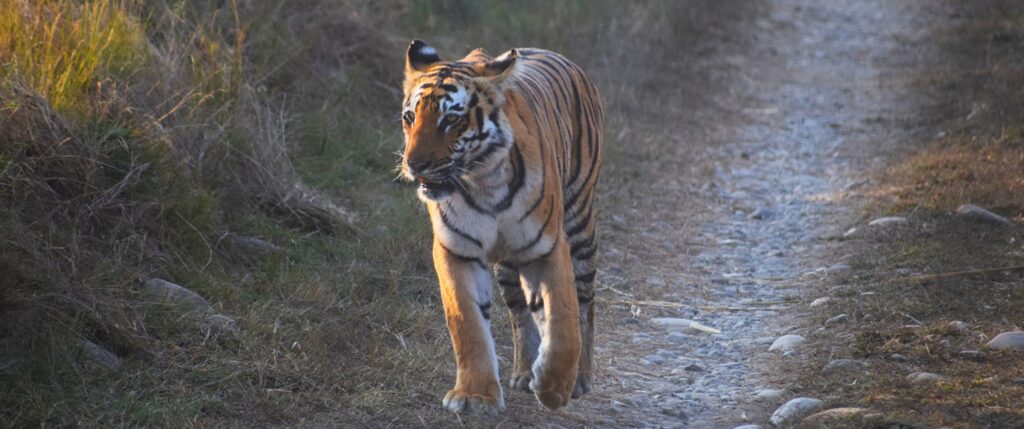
<point>926,277</point>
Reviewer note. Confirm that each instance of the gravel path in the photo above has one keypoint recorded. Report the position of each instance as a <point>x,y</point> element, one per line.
<point>733,226</point>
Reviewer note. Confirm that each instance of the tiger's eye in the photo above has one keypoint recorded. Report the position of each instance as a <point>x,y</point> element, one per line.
<point>409,117</point>
<point>452,118</point>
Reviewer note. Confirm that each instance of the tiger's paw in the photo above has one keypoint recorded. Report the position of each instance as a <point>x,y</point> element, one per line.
<point>521,381</point>
<point>583,385</point>
<point>460,401</point>
<point>552,389</point>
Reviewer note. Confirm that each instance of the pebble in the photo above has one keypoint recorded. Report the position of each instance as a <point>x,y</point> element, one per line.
<point>794,410</point>
<point>978,214</point>
<point>842,364</point>
<point>653,360</point>
<point>838,269</point>
<point>821,301</point>
<point>761,213</point>
<point>889,220</point>
<point>898,357</point>
<point>960,326</point>
<point>100,355</point>
<point>769,394</point>
<point>1012,340</point>
<point>849,233</point>
<point>923,377</point>
<point>694,367</point>
<point>672,322</point>
<point>822,418</point>
<point>219,324</point>
<point>835,320</point>
<point>786,343</point>
<point>169,292</point>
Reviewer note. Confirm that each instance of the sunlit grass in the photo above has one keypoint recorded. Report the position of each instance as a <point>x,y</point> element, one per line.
<point>61,48</point>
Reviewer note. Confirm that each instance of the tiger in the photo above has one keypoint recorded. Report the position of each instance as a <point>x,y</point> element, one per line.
<point>507,151</point>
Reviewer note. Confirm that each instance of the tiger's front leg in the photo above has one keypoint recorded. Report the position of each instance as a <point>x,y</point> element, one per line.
<point>466,294</point>
<point>548,285</point>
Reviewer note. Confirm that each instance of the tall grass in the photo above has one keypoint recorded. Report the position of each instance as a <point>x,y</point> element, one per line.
<point>62,48</point>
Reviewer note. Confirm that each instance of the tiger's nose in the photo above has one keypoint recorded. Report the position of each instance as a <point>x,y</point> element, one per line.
<point>417,167</point>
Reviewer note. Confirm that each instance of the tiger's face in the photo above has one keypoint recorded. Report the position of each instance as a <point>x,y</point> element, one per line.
<point>452,119</point>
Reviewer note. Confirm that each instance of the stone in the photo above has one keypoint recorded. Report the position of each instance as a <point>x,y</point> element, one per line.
<point>960,327</point>
<point>924,378</point>
<point>98,354</point>
<point>821,301</point>
<point>761,213</point>
<point>653,360</point>
<point>887,221</point>
<point>835,320</point>
<point>838,269</point>
<point>850,232</point>
<point>677,338</point>
<point>978,214</point>
<point>219,324</point>
<point>843,364</point>
<point>765,395</point>
<point>175,294</point>
<point>786,343</point>
<point>249,247</point>
<point>793,411</point>
<point>898,357</point>
<point>834,415</point>
<point>694,367</point>
<point>1011,340</point>
<point>672,322</point>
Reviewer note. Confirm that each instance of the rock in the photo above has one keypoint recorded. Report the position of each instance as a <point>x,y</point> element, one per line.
<point>972,354</point>
<point>838,269</point>
<point>653,360</point>
<point>898,357</point>
<point>100,355</point>
<point>960,327</point>
<point>761,213</point>
<point>834,415</point>
<point>676,338</point>
<point>835,320</point>
<point>924,378</point>
<point>694,367</point>
<point>978,214</point>
<point>793,411</point>
<point>821,301</point>
<point>1012,340</point>
<point>843,364</point>
<point>177,295</point>
<point>849,233</point>
<point>786,343</point>
<point>219,324</point>
<point>887,221</point>
<point>249,248</point>
<point>766,395</point>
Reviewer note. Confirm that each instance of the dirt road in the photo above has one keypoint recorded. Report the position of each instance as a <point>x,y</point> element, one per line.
<point>729,227</point>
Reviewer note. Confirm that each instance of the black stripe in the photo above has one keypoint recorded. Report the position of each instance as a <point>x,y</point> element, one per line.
<point>583,299</point>
<point>471,202</point>
<point>582,225</point>
<point>479,113</point>
<point>585,253</point>
<point>587,277</point>
<point>512,283</point>
<point>537,303</point>
<point>518,179</point>
<point>447,223</point>
<point>485,310</point>
<point>540,232</point>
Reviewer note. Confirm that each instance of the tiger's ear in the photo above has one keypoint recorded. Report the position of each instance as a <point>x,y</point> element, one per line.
<point>420,56</point>
<point>500,67</point>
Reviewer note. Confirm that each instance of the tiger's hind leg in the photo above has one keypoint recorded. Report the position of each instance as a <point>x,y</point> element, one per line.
<point>584,267</point>
<point>525,336</point>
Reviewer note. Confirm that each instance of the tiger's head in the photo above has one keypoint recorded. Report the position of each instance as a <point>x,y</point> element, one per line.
<point>455,130</point>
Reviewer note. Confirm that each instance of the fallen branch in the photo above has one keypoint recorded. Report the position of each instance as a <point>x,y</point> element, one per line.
<point>926,277</point>
<point>666,304</point>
